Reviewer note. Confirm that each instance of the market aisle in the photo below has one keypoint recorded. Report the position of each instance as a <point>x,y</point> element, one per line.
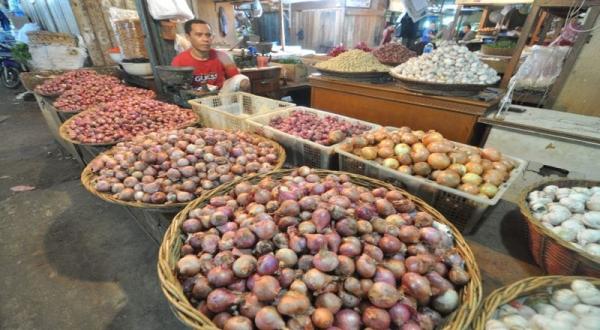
<point>70,261</point>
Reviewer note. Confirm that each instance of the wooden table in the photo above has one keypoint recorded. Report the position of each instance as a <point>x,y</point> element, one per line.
<point>390,105</point>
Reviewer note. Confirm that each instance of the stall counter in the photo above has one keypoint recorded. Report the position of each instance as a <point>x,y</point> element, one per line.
<point>390,105</point>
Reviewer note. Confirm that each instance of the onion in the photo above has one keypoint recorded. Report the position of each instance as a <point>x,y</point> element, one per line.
<point>333,241</point>
<point>238,323</point>
<point>288,208</point>
<point>458,276</point>
<point>346,227</point>
<point>448,178</point>
<point>438,161</point>
<point>491,154</point>
<point>488,189</point>
<point>384,207</point>
<point>366,266</point>
<point>475,168</point>
<point>220,276</point>
<point>432,136</point>
<point>384,275</point>
<point>321,218</point>
<point>250,306</point>
<point>322,318</point>
<point>400,314</point>
<point>347,319</point>
<point>368,153</point>
<point>438,283</point>
<point>469,188</point>
<point>287,257</point>
<point>373,252</point>
<point>315,242</point>
<point>390,244</point>
<point>244,238</point>
<point>220,319</point>
<point>219,300</point>
<point>293,303</point>
<point>421,168</point>
<point>325,261</point>
<point>189,265</point>
<point>299,286</point>
<point>264,229</point>
<point>383,295</point>
<point>417,286</point>
<point>346,266</point>
<point>266,288</point>
<point>268,318</point>
<point>409,234</point>
<point>316,280</point>
<point>430,235</point>
<point>458,168</point>
<point>396,267</point>
<point>267,264</point>
<point>376,318</point>
<point>385,152</point>
<point>201,288</point>
<point>329,301</point>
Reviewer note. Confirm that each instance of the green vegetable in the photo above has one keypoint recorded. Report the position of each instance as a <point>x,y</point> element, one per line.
<point>20,52</point>
<point>289,60</point>
<point>505,43</point>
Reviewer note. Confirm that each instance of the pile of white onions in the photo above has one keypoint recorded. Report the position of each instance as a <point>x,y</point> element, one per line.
<point>307,252</point>
<point>430,155</point>
<point>177,166</point>
<point>123,119</point>
<point>563,309</point>
<point>573,214</point>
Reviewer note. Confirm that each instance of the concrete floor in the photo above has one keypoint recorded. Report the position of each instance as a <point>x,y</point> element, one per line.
<point>72,261</point>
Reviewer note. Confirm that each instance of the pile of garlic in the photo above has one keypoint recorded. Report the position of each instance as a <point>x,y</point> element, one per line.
<point>448,64</point>
<point>576,308</point>
<point>571,213</point>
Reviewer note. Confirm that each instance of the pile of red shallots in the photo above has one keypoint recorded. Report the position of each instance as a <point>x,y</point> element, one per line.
<point>177,166</point>
<point>326,130</point>
<point>123,119</point>
<point>81,97</point>
<point>307,252</point>
<point>393,53</point>
<point>68,80</point>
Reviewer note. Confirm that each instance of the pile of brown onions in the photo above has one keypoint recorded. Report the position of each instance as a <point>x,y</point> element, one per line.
<point>327,131</point>
<point>123,119</point>
<point>80,97</point>
<point>308,252</point>
<point>430,155</point>
<point>393,53</point>
<point>177,166</point>
<point>57,85</point>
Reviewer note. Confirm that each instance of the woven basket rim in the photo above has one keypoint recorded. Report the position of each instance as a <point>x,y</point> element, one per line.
<point>470,294</point>
<point>64,129</point>
<point>87,179</point>
<point>518,289</point>
<point>526,212</point>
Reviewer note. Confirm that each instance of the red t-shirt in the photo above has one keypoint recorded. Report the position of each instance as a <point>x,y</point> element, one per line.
<point>215,70</point>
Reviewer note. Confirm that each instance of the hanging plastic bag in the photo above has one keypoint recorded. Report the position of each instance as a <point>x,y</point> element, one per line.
<point>22,34</point>
<point>170,9</point>
<point>128,31</point>
<point>541,67</point>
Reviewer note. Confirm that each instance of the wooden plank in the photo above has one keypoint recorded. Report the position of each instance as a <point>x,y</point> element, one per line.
<point>87,32</point>
<point>96,14</point>
<point>569,63</point>
<point>514,61</point>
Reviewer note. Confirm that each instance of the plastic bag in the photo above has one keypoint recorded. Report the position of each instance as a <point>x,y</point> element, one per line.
<point>170,9</point>
<point>233,84</point>
<point>128,32</point>
<point>57,57</point>
<point>22,34</point>
<point>541,67</point>
<point>181,43</point>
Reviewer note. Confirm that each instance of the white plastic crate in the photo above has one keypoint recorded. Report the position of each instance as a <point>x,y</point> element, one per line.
<point>462,209</point>
<point>230,110</point>
<point>300,151</point>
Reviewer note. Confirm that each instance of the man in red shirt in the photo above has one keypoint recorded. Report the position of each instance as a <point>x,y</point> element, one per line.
<point>212,67</point>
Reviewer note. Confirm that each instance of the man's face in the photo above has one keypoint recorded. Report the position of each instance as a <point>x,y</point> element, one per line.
<point>201,37</point>
<point>466,29</point>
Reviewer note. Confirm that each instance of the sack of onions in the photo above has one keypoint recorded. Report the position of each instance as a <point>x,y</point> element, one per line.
<point>121,120</point>
<point>545,303</point>
<point>306,249</point>
<point>475,171</point>
<point>563,217</point>
<point>83,96</point>
<point>168,169</point>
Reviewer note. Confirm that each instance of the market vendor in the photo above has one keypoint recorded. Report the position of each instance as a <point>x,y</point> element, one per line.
<point>211,67</point>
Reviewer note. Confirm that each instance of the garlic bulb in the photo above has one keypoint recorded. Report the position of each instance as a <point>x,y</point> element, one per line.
<point>593,249</point>
<point>593,204</point>
<point>515,321</point>
<point>551,189</point>
<point>545,309</point>
<point>562,193</point>
<point>586,291</point>
<point>566,234</point>
<point>587,236</point>
<point>592,219</point>
<point>581,310</point>
<point>495,325</point>
<point>566,316</point>
<point>589,322</point>
<point>564,299</point>
<point>574,205</point>
<point>557,213</point>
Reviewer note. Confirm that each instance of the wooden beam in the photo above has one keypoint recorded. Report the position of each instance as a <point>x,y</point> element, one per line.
<point>484,17</point>
<point>454,23</point>
<point>580,42</point>
<point>514,61</point>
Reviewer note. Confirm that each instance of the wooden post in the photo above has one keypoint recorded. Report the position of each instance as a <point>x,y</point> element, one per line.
<point>454,23</point>
<point>514,61</point>
<point>282,26</point>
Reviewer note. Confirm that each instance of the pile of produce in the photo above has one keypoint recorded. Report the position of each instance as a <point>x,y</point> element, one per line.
<point>123,119</point>
<point>80,97</point>
<point>393,53</point>
<point>337,50</point>
<point>448,64</point>
<point>328,130</point>
<point>429,155</point>
<point>177,166</point>
<point>308,251</point>
<point>353,61</point>
<point>67,80</point>
<point>504,44</point>
<point>573,214</point>
<point>574,308</point>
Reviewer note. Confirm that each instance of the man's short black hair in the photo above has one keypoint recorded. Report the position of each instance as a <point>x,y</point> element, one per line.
<point>468,25</point>
<point>188,24</point>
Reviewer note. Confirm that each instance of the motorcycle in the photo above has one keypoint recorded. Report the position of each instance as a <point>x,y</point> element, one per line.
<point>9,68</point>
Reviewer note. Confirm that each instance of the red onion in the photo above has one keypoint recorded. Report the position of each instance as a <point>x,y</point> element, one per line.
<point>390,244</point>
<point>201,288</point>
<point>190,226</point>
<point>267,264</point>
<point>346,266</point>
<point>458,276</point>
<point>330,301</point>
<point>396,267</point>
<point>321,218</point>
<point>423,219</point>
<point>353,286</point>
<point>297,243</point>
<point>264,229</point>
<point>245,265</point>
<point>333,241</point>
<point>349,300</point>
<point>220,319</point>
<point>365,212</point>
<point>438,284</point>
<point>346,227</point>
<point>384,207</point>
<point>315,242</point>
<point>409,234</point>
<point>383,295</point>
<point>266,288</point>
<point>350,247</point>
<point>400,314</point>
<point>325,261</point>
<point>268,318</point>
<point>286,277</point>
<point>376,318</point>
<point>293,303</point>
<point>316,280</point>
<point>417,286</point>
<point>384,275</point>
<point>299,286</point>
<point>209,243</point>
<point>244,238</point>
<point>322,318</point>
<point>238,323</point>
<point>366,266</point>
<point>411,325</point>
<point>430,235</point>
<point>224,258</point>
<point>189,265</point>
<point>289,208</point>
<point>219,300</point>
<point>373,252</point>
<point>220,276</point>
<point>347,319</point>
<point>250,306</point>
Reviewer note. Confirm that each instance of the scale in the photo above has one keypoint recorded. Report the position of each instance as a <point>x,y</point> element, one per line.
<point>176,84</point>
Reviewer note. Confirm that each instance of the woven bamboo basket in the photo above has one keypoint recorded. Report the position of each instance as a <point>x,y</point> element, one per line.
<point>522,288</point>
<point>88,181</point>
<point>553,254</point>
<point>64,130</point>
<point>51,38</point>
<point>169,253</point>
